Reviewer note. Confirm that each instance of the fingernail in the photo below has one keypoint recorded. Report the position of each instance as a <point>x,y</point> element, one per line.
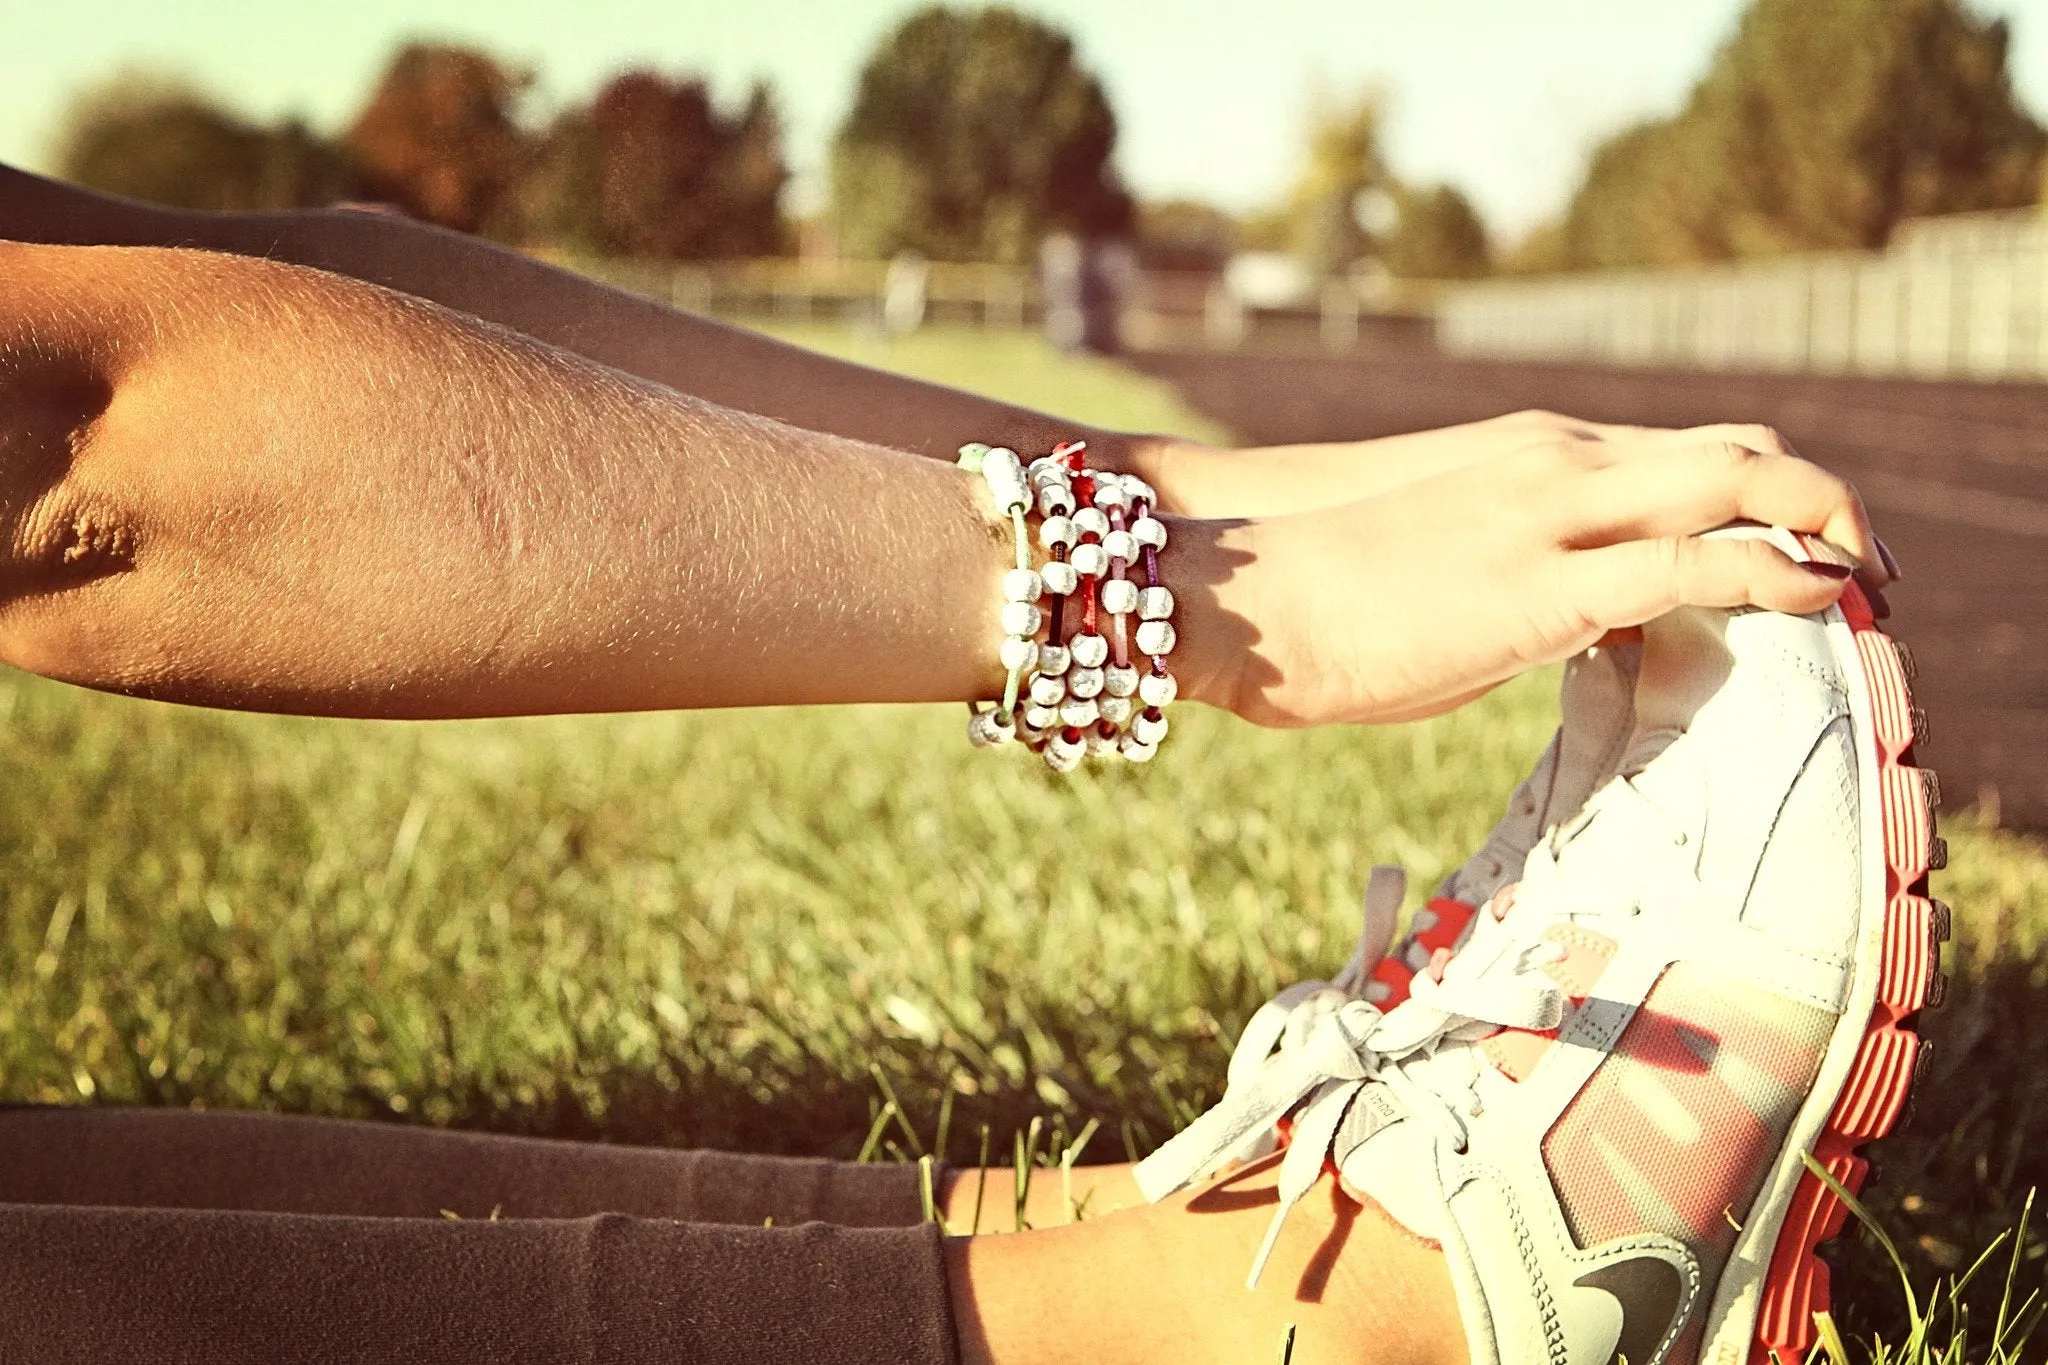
<point>1891,566</point>
<point>1836,572</point>
<point>1879,608</point>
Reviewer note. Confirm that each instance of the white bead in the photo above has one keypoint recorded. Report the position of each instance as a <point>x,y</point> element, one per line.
<point>1119,595</point>
<point>1116,710</point>
<point>1149,727</point>
<point>1089,559</point>
<point>1063,755</point>
<point>1121,545</point>
<point>1060,578</point>
<point>1005,479</point>
<point>1150,531</point>
<point>1044,469</point>
<point>1079,712</point>
<point>1099,743</point>
<point>1018,654</point>
<point>1022,585</point>
<point>1157,689</point>
<point>1090,651</point>
<point>1135,752</point>
<point>1041,717</point>
<point>1120,682</point>
<point>1091,520</point>
<point>1022,618</point>
<point>1056,532</point>
<point>1085,682</point>
<point>1055,500</point>
<point>1155,604</point>
<point>1154,637</point>
<point>1139,491</point>
<point>985,728</point>
<point>1054,659</point>
<point>1048,689</point>
<point>1110,494</point>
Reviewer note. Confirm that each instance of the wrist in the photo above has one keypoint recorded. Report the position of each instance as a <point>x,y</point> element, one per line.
<point>1210,565</point>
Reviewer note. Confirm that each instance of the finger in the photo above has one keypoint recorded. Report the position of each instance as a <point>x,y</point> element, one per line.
<point>1697,488</point>
<point>1640,580</point>
<point>1752,435</point>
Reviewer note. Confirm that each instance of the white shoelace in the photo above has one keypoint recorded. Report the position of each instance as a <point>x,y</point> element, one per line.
<point>1340,1044</point>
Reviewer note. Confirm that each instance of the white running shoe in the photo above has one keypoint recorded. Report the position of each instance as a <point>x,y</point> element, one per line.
<point>1602,1107</point>
<point>1596,712</point>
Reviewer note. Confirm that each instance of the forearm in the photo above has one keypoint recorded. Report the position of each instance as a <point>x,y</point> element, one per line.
<point>725,365</point>
<point>237,483</point>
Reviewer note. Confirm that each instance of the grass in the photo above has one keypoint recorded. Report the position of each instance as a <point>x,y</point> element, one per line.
<point>822,931</point>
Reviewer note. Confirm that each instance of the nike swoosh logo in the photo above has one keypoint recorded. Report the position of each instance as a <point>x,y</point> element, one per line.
<point>1648,1289</point>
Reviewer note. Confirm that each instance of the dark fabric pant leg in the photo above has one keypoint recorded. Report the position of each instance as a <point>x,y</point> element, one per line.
<point>109,1286</point>
<point>177,1158</point>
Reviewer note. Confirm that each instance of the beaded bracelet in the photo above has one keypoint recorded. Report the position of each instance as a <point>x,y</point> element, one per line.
<point>1098,530</point>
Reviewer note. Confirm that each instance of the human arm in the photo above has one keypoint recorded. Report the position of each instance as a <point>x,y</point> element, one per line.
<point>744,370</point>
<point>234,482</point>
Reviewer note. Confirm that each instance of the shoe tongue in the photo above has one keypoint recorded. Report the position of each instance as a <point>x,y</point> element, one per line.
<point>1386,1155</point>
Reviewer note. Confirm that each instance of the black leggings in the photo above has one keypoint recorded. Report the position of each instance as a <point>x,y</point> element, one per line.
<point>159,1236</point>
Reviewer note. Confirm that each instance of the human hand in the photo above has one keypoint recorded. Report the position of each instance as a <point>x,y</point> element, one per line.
<point>1414,601</point>
<point>1204,481</point>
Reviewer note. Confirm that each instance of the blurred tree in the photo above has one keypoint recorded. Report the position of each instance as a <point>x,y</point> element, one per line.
<point>152,138</point>
<point>1185,234</point>
<point>438,137</point>
<point>1818,126</point>
<point>651,168</point>
<point>974,134</point>
<point>1330,215</point>
<point>1438,236</point>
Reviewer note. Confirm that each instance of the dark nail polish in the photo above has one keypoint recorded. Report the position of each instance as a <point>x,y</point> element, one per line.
<point>1879,608</point>
<point>1891,566</point>
<point>1837,572</point>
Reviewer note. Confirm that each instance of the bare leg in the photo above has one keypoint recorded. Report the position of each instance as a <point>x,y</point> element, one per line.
<point>1166,1284</point>
<point>1050,1201</point>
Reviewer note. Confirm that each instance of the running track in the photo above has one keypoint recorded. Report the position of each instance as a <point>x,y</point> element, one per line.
<point>1955,475</point>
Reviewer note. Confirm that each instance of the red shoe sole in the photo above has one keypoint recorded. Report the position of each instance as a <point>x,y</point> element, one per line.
<point>1874,1098</point>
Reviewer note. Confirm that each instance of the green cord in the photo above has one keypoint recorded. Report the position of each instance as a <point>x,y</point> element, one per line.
<point>971,457</point>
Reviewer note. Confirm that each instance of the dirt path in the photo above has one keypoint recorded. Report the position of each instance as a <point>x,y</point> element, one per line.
<point>1955,475</point>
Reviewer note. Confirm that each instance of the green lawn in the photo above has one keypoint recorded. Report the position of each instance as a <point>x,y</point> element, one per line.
<point>709,928</point>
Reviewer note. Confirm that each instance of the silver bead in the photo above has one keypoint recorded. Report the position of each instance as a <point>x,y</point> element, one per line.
<point>1150,531</point>
<point>1018,654</point>
<point>1056,532</point>
<point>1021,618</point>
<point>1120,682</point>
<point>1148,727</point>
<point>1092,521</point>
<point>1116,710</point>
<point>1022,585</point>
<point>1005,479</point>
<point>1135,752</point>
<point>1090,651</point>
<point>1060,578</point>
<point>1079,712</point>
<point>1041,717</point>
<point>1084,683</point>
<point>1055,500</point>
<point>1110,494</point>
<point>1099,743</point>
<point>1045,469</point>
<point>1054,659</point>
<point>1089,559</point>
<point>987,728</point>
<point>1121,545</point>
<point>1119,595</point>
<point>1048,689</point>
<point>1154,637</point>
<point>1138,490</point>
<point>1155,604</point>
<point>1157,689</point>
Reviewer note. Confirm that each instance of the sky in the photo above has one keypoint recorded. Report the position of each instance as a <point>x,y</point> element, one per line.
<point>1503,98</point>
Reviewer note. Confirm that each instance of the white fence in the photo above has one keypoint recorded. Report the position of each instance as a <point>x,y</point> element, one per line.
<point>1953,298</point>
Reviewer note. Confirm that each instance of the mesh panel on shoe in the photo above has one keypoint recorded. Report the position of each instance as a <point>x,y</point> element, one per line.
<point>1677,1129</point>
